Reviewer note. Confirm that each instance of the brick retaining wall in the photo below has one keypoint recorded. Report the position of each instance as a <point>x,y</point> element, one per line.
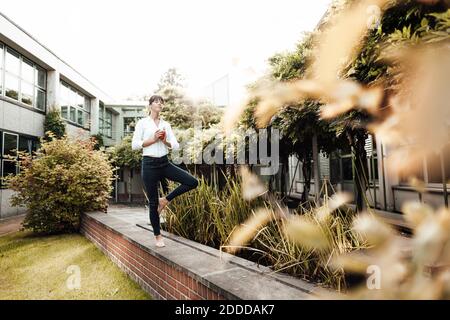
<point>185,269</point>
<point>155,276</point>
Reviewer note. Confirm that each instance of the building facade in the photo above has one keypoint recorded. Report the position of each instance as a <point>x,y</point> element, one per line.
<point>387,191</point>
<point>33,80</point>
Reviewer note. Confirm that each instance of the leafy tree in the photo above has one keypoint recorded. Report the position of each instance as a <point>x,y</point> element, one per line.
<point>123,156</point>
<point>405,20</point>
<point>297,123</point>
<point>55,124</point>
<point>181,111</point>
<point>171,78</point>
<point>208,114</point>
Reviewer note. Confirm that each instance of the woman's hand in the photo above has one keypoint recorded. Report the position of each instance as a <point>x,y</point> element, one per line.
<point>153,139</point>
<point>158,135</point>
<point>163,136</point>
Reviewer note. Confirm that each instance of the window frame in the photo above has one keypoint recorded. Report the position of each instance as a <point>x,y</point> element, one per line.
<point>108,120</point>
<point>2,71</point>
<point>104,123</point>
<point>2,154</point>
<point>19,77</point>
<point>423,170</point>
<point>71,101</point>
<point>35,144</point>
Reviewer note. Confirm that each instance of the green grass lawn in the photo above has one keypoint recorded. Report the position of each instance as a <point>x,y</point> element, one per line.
<point>38,267</point>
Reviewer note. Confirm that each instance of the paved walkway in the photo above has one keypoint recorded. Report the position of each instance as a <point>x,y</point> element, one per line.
<point>10,225</point>
<point>138,215</point>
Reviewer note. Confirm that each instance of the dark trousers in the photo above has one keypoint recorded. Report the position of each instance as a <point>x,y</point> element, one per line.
<point>153,170</point>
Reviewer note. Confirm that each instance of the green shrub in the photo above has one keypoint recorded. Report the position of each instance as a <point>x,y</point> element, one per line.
<point>123,156</point>
<point>61,181</point>
<point>98,141</point>
<point>55,124</point>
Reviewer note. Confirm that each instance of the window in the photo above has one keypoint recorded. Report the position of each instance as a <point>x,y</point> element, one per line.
<point>430,169</point>
<point>25,144</point>
<point>9,149</point>
<point>9,167</point>
<point>40,99</point>
<point>108,123</point>
<point>87,104</point>
<point>27,71</point>
<point>80,119</point>
<point>128,125</point>
<point>12,71</point>
<point>335,168</point>
<point>72,114</point>
<point>40,78</point>
<point>2,49</point>
<point>80,101</point>
<point>27,93</point>
<point>75,106</point>
<point>372,158</point>
<point>434,171</point>
<point>21,79</point>
<point>101,114</point>
<point>105,121</point>
<point>11,86</point>
<point>9,144</point>
<point>417,171</point>
<point>64,112</point>
<point>347,168</point>
<point>446,155</point>
<point>374,169</point>
<point>12,62</point>
<point>435,162</point>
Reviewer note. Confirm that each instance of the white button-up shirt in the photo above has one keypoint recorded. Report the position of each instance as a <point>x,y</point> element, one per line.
<point>145,129</point>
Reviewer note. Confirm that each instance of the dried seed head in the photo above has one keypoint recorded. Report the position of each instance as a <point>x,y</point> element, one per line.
<point>306,233</point>
<point>355,263</point>
<point>337,44</point>
<point>252,187</point>
<point>375,232</point>
<point>323,213</point>
<point>339,199</point>
<point>429,241</point>
<point>247,230</point>
<point>416,212</point>
<point>417,184</point>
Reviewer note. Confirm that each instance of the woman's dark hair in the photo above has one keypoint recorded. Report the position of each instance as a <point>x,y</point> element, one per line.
<point>155,98</point>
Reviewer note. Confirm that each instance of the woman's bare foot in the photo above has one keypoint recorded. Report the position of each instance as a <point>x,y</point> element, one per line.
<point>162,204</point>
<point>159,241</point>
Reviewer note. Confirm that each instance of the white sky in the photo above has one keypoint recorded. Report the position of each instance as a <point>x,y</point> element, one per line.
<point>124,46</point>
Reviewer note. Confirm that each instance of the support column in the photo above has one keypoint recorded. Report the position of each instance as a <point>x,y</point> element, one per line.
<point>317,184</point>
<point>53,92</point>
<point>94,116</point>
<point>119,134</point>
<point>390,179</point>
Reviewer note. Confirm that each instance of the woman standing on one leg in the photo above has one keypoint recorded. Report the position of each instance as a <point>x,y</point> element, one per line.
<point>155,137</point>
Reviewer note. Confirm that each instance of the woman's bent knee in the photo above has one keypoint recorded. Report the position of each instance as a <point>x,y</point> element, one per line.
<point>193,183</point>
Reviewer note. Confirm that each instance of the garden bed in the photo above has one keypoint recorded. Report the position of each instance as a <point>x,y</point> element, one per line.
<point>185,269</point>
